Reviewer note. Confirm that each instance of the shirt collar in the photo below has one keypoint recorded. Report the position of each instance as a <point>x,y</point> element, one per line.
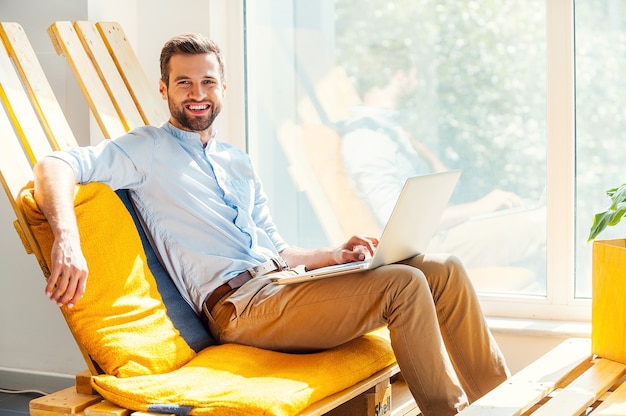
<point>188,136</point>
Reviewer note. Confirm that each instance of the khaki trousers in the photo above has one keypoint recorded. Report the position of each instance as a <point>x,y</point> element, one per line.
<point>440,338</point>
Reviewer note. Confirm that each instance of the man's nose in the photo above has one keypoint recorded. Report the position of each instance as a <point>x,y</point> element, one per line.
<point>197,92</point>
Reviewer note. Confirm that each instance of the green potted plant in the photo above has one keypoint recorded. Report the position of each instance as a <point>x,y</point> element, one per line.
<point>612,215</point>
<point>608,303</point>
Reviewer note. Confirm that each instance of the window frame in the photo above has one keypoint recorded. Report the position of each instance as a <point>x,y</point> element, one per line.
<point>560,302</point>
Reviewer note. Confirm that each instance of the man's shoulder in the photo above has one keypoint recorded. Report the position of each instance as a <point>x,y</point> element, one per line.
<point>148,130</point>
<point>142,136</point>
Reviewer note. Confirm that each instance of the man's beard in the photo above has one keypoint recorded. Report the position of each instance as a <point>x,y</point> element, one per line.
<point>192,123</point>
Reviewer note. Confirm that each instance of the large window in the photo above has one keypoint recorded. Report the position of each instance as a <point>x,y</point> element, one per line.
<point>346,99</point>
<point>600,118</point>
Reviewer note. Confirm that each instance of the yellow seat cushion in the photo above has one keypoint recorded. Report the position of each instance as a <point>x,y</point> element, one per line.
<point>120,321</point>
<point>239,380</point>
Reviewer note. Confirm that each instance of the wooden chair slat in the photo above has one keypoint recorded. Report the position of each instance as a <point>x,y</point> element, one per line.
<point>584,390</point>
<point>16,157</point>
<point>68,44</point>
<point>331,402</point>
<point>15,165</point>
<point>109,75</point>
<point>147,99</point>
<point>20,111</point>
<point>614,404</point>
<point>15,161</point>
<point>37,86</point>
<point>533,383</point>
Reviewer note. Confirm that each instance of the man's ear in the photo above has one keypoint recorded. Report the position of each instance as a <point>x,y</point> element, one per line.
<point>163,89</point>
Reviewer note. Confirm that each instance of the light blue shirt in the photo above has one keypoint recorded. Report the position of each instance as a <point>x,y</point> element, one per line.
<point>203,208</point>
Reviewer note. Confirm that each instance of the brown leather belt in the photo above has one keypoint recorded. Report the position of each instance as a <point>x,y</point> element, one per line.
<point>273,265</point>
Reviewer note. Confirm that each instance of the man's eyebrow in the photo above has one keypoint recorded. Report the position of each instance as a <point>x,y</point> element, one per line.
<point>183,77</point>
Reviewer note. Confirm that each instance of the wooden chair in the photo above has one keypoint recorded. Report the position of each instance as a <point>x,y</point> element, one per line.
<point>32,126</point>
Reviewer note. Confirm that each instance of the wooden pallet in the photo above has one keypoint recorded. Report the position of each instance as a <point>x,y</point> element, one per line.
<point>568,380</point>
<point>381,399</point>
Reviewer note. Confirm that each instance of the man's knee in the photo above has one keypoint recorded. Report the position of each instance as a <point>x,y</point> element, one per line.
<point>437,264</point>
<point>403,277</point>
<point>454,266</point>
<point>443,272</point>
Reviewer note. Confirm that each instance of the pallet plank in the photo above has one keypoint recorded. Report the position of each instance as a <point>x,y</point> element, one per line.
<point>66,401</point>
<point>18,107</point>
<point>533,383</point>
<point>584,390</point>
<point>614,404</point>
<point>109,74</point>
<point>37,87</point>
<point>149,103</point>
<point>106,408</point>
<point>68,44</point>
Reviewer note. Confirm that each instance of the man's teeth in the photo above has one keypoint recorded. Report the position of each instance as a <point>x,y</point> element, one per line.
<point>198,107</point>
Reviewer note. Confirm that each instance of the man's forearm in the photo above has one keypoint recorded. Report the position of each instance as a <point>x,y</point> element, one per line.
<point>357,248</point>
<point>311,259</point>
<point>54,193</point>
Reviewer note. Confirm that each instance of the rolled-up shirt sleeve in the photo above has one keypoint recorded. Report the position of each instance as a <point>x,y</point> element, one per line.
<point>120,163</point>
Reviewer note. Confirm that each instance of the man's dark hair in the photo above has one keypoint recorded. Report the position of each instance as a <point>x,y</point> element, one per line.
<point>188,44</point>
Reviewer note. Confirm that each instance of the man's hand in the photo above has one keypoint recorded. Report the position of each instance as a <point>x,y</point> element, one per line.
<point>68,277</point>
<point>357,248</point>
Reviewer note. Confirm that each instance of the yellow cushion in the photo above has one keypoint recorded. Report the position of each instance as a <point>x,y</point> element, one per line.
<point>121,321</point>
<point>239,380</point>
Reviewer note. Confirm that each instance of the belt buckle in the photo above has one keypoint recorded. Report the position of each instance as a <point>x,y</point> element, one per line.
<point>274,264</point>
<point>280,263</point>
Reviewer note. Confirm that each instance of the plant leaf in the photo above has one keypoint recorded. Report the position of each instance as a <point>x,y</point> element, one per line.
<point>617,195</point>
<point>617,214</point>
<point>600,221</point>
<point>612,215</point>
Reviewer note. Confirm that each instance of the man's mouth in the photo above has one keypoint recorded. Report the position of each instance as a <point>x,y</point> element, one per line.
<point>197,107</point>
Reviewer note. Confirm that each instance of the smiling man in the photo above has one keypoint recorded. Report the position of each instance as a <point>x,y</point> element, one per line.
<point>186,112</point>
<point>207,216</point>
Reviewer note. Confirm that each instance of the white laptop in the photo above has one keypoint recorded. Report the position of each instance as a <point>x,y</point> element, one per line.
<point>412,223</point>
